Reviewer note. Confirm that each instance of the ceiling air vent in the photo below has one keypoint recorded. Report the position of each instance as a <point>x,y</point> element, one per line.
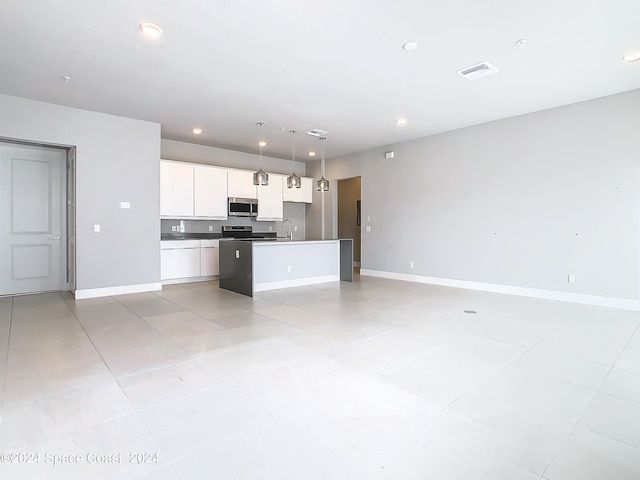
<point>316,132</point>
<point>476,71</point>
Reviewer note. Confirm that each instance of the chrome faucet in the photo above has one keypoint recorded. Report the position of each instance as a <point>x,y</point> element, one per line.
<point>290,234</point>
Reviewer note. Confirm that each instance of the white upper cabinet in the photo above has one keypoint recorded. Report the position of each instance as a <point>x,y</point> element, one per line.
<point>210,192</point>
<point>240,184</point>
<point>176,189</point>
<point>304,194</point>
<point>270,205</point>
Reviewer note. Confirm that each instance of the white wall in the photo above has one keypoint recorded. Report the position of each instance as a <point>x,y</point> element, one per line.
<point>117,159</point>
<point>519,202</point>
<point>190,152</point>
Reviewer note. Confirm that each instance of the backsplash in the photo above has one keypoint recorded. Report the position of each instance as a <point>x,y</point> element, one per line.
<point>295,212</point>
<point>202,226</point>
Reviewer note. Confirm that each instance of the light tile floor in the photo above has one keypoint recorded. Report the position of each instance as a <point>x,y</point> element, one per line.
<point>374,379</point>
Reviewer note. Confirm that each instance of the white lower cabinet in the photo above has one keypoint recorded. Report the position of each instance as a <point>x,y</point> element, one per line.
<point>188,259</point>
<point>209,258</point>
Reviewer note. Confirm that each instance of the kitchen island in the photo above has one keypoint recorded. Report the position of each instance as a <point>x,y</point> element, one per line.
<point>251,266</point>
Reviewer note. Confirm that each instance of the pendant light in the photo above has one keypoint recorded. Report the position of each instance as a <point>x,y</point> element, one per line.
<point>322,185</point>
<point>261,177</point>
<point>293,180</point>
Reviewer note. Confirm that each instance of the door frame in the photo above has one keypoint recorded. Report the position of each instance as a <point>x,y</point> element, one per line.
<point>335,211</point>
<point>68,216</point>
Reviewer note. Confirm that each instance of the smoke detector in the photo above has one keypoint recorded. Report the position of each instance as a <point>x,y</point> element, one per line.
<point>476,71</point>
<point>316,132</point>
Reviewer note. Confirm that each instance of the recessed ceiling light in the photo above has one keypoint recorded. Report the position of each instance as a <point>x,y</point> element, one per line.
<point>197,130</point>
<point>410,46</point>
<point>151,29</point>
<point>521,42</point>
<point>632,57</point>
<point>312,153</point>
<point>401,122</point>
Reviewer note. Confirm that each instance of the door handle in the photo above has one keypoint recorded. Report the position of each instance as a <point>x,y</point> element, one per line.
<point>55,239</point>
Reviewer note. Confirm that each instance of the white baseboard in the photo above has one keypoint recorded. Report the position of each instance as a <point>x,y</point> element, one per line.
<point>120,290</point>
<point>298,282</point>
<point>621,303</point>
<point>176,281</point>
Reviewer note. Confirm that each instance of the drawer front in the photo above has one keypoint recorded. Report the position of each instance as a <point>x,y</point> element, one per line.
<point>209,243</point>
<point>171,244</point>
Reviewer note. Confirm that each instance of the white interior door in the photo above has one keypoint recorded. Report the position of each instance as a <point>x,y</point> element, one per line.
<point>32,220</point>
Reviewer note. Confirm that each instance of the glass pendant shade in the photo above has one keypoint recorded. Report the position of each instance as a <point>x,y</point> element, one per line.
<point>293,180</point>
<point>261,177</point>
<point>322,185</point>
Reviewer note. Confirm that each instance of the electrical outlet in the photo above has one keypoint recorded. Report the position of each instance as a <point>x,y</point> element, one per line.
<point>367,228</point>
<point>295,229</point>
<point>270,228</point>
<point>96,228</point>
<point>174,228</point>
<point>289,268</point>
<point>411,264</point>
<point>571,278</point>
<point>211,228</point>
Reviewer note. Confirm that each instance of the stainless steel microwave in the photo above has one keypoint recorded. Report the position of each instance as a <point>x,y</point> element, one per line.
<point>243,207</point>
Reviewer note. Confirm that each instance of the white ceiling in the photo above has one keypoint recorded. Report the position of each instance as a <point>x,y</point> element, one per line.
<point>337,65</point>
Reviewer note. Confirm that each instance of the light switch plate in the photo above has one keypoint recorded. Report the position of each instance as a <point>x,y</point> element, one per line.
<point>125,204</point>
<point>96,228</point>
<point>367,228</point>
<point>237,253</point>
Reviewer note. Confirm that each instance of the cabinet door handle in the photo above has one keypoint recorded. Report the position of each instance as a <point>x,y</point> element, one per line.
<point>55,239</point>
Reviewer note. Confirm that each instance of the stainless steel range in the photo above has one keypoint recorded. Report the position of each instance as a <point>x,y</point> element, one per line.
<point>240,232</point>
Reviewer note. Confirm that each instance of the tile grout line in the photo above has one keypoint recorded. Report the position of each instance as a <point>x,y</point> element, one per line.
<point>103,359</point>
<point>148,324</point>
<point>444,407</point>
<point>133,408</point>
<point>596,391</point>
<point>88,336</point>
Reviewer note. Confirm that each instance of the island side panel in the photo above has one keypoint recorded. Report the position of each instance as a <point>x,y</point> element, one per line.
<point>309,262</point>
<point>236,266</point>
<point>346,260</point>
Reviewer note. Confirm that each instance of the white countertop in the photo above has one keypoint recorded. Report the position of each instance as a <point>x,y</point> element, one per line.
<point>285,241</point>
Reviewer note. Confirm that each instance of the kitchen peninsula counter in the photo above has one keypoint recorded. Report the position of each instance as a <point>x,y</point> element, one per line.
<point>249,267</point>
